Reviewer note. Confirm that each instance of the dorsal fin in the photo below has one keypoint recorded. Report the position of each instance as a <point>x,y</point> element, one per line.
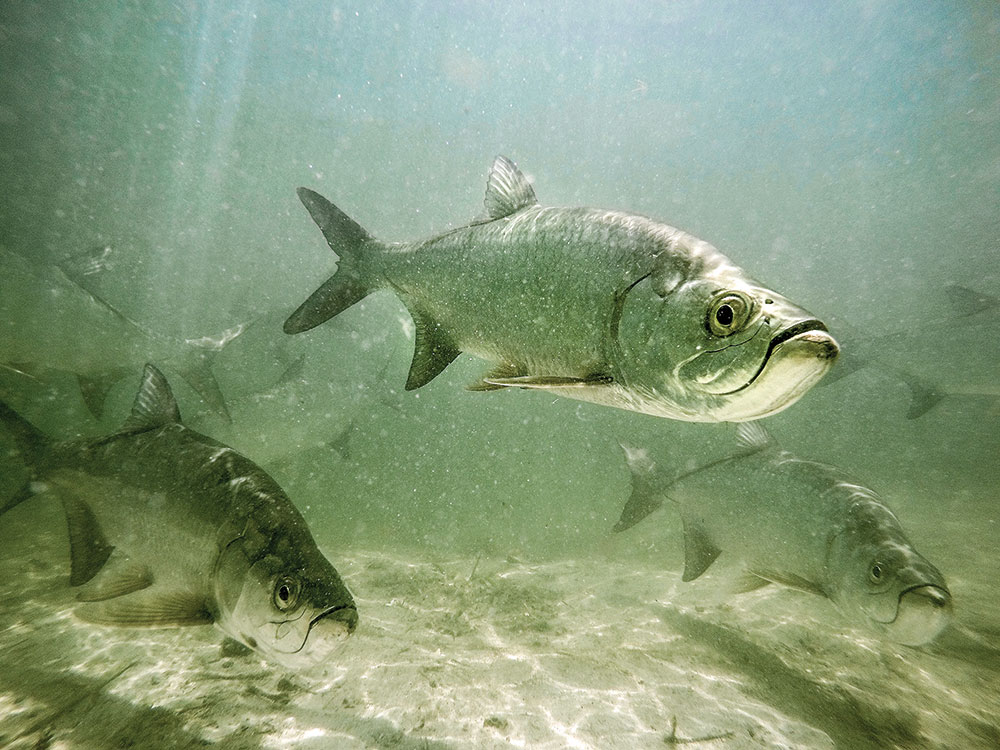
<point>753,436</point>
<point>154,404</point>
<point>507,189</point>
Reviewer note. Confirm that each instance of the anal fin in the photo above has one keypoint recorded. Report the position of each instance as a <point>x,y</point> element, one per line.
<point>89,550</point>
<point>433,351</point>
<point>646,496</point>
<point>155,606</point>
<point>699,550</point>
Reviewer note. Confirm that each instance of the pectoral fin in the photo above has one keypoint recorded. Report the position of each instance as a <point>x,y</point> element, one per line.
<point>492,379</point>
<point>548,381</point>
<point>747,582</point>
<point>792,581</point>
<point>699,550</point>
<point>151,607</point>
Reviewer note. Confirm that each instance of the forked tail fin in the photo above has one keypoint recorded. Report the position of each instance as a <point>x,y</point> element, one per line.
<point>354,279</point>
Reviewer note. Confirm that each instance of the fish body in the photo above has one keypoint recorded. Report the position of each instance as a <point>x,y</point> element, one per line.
<point>169,527</point>
<point>799,523</point>
<point>601,306</point>
<point>50,322</point>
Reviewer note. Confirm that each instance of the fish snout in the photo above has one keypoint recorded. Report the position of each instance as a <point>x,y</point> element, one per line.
<point>808,339</point>
<point>798,334</point>
<point>821,344</point>
<point>923,612</point>
<point>335,624</point>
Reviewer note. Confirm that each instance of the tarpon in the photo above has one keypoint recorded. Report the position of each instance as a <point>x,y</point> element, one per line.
<point>800,523</point>
<point>969,310</point>
<point>49,321</point>
<point>601,306</point>
<point>169,527</point>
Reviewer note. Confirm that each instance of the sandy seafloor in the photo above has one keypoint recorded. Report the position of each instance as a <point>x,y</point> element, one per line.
<point>494,653</point>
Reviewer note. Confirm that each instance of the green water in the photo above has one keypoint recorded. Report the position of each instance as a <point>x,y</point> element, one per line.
<point>847,154</point>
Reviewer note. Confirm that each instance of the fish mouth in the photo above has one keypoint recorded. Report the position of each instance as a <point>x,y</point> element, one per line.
<point>922,613</point>
<point>335,623</point>
<point>330,626</point>
<point>805,342</point>
<point>803,329</point>
<point>325,632</point>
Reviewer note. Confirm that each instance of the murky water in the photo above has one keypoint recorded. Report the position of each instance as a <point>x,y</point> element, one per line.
<point>847,155</point>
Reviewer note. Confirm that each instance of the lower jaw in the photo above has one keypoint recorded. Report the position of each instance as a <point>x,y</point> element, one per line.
<point>755,400</point>
<point>918,620</point>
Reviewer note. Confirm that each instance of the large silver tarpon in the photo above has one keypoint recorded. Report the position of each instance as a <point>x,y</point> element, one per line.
<point>601,306</point>
<point>799,523</point>
<point>169,527</point>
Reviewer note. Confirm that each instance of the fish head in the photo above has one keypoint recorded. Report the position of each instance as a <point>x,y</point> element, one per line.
<point>718,345</point>
<point>289,603</point>
<point>898,591</point>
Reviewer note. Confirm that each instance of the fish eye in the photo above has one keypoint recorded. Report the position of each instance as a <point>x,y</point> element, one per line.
<point>728,313</point>
<point>875,573</point>
<point>286,593</point>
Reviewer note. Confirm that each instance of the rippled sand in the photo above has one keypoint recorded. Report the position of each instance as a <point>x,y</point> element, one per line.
<point>494,653</point>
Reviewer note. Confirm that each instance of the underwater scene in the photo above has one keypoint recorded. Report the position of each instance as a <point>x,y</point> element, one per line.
<point>517,375</point>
